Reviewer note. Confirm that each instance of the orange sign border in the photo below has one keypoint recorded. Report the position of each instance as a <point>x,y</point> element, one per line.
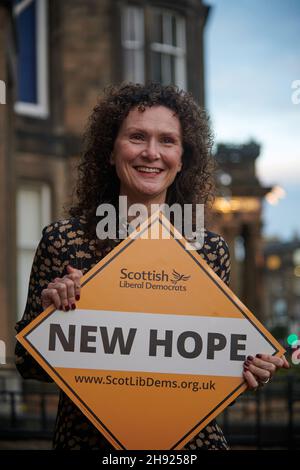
<point>158,216</point>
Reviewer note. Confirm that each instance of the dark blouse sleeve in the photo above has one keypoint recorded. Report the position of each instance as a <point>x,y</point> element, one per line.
<point>223,261</point>
<point>44,270</point>
<point>224,264</point>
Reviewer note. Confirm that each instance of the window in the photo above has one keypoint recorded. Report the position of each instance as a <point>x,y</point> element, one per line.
<point>296,286</point>
<point>165,51</point>
<point>133,44</point>
<point>280,308</point>
<point>276,286</point>
<point>168,48</point>
<point>33,213</point>
<point>2,92</point>
<point>32,69</point>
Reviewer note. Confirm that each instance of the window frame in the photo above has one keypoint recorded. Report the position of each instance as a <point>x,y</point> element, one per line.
<point>41,108</point>
<point>178,52</point>
<point>147,45</point>
<point>137,46</point>
<point>43,190</point>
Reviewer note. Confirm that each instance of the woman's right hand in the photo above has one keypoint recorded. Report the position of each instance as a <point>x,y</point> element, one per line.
<point>63,291</point>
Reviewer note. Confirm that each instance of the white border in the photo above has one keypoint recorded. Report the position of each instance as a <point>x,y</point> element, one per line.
<point>43,191</point>
<point>41,109</point>
<point>137,46</point>
<point>2,92</point>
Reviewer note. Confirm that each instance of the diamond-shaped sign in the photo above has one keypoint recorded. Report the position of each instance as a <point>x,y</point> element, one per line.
<point>155,349</point>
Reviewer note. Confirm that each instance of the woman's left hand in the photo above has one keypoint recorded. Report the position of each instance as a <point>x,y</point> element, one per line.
<point>260,369</point>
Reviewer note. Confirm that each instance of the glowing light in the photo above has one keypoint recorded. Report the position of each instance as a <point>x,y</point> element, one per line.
<point>273,262</point>
<point>236,204</point>
<point>275,194</point>
<point>296,257</point>
<point>297,271</point>
<point>293,338</point>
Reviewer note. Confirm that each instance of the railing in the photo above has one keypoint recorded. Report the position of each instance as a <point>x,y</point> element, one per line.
<point>268,418</point>
<point>27,410</point>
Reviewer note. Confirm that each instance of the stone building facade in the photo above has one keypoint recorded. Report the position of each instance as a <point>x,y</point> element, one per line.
<point>7,182</point>
<point>238,217</point>
<point>282,286</point>
<point>67,51</point>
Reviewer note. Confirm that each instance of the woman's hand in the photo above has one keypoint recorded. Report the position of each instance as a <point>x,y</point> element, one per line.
<point>63,291</point>
<point>260,369</point>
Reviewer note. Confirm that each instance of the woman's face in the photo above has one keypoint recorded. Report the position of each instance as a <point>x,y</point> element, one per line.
<point>147,153</point>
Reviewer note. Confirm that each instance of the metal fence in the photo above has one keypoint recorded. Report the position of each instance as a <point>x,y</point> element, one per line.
<point>28,414</point>
<point>268,418</point>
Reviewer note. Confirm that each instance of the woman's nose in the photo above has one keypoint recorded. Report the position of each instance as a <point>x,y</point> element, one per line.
<point>151,151</point>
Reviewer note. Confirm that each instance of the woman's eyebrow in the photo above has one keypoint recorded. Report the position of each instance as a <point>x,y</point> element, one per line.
<point>135,129</point>
<point>162,132</point>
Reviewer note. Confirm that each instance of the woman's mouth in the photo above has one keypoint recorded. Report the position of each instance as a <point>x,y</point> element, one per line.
<point>148,170</point>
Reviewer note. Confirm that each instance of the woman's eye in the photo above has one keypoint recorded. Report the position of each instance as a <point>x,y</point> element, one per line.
<point>168,140</point>
<point>137,136</point>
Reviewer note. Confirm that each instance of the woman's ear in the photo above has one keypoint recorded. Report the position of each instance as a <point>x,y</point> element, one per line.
<point>112,159</point>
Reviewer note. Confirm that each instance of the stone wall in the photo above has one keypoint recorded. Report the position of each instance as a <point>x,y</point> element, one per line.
<point>7,189</point>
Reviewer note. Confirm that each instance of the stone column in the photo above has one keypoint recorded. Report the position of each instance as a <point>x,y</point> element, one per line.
<point>253,269</point>
<point>230,229</point>
<point>7,189</point>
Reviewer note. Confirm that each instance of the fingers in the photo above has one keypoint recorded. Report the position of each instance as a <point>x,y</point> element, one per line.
<point>286,364</point>
<point>261,369</point>
<point>75,275</point>
<point>277,361</point>
<point>68,291</point>
<point>74,271</point>
<point>49,297</point>
<point>250,380</point>
<point>63,292</point>
<point>60,286</point>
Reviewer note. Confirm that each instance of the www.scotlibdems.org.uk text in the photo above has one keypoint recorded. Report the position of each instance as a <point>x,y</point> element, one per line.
<point>146,382</point>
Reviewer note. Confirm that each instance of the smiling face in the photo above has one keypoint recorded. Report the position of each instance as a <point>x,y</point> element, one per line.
<point>147,154</point>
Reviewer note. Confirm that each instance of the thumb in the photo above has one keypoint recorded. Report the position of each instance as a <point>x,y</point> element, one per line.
<point>286,365</point>
<point>71,269</point>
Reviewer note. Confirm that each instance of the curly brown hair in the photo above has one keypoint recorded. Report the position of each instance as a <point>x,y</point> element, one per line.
<point>97,179</point>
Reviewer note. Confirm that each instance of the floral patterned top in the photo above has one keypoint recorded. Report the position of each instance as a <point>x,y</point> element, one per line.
<point>65,242</point>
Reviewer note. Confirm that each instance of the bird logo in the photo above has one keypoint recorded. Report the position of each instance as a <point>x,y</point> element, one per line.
<point>179,277</point>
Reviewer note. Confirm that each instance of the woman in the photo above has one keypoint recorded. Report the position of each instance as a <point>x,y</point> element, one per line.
<point>153,145</point>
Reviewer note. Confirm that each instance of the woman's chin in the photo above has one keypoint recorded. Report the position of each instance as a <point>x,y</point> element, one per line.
<point>149,191</point>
